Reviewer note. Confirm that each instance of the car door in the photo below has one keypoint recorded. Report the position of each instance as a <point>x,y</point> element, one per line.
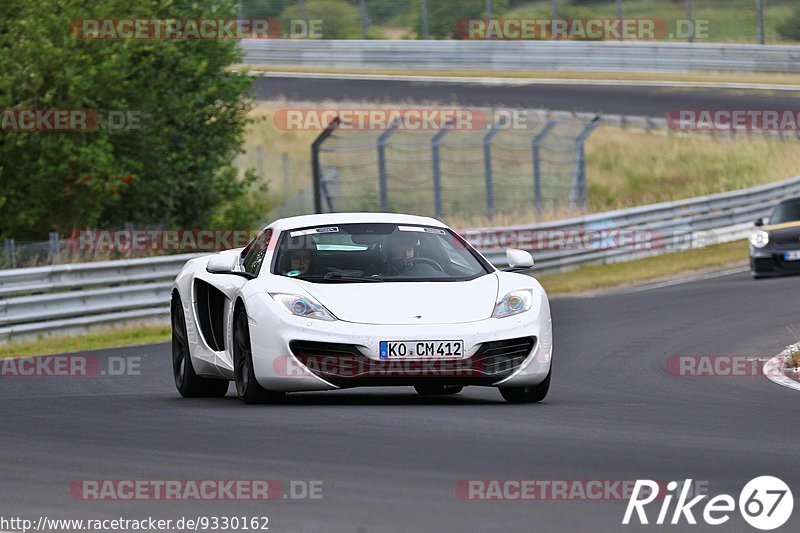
<point>214,295</point>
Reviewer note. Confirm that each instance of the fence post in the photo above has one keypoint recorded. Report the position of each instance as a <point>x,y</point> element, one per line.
<point>383,186</point>
<point>260,161</point>
<point>537,165</point>
<point>578,194</point>
<point>688,5</point>
<point>487,166</point>
<point>54,246</point>
<point>315,166</point>
<point>362,9</point>
<point>285,160</point>
<point>11,250</point>
<point>437,171</point>
<point>760,17</point>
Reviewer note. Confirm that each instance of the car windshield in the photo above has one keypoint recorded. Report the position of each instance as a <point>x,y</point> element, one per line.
<point>786,212</point>
<point>354,253</point>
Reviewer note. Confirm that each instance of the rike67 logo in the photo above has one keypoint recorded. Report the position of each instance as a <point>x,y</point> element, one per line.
<point>765,503</point>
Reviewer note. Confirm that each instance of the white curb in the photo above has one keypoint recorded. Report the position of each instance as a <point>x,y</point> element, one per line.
<point>773,370</point>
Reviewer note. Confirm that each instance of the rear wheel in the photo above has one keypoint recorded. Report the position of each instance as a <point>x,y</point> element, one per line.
<point>247,386</point>
<point>531,394</point>
<point>189,384</point>
<point>429,389</point>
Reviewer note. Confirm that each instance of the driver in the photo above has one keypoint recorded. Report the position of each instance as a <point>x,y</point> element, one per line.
<point>301,254</point>
<point>401,249</point>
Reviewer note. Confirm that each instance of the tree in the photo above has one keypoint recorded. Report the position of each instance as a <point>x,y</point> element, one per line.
<point>174,168</point>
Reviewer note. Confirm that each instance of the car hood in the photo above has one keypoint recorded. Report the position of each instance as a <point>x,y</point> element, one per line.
<point>788,233</point>
<point>408,302</point>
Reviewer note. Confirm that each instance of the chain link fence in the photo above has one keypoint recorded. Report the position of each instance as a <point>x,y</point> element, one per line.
<point>505,167</point>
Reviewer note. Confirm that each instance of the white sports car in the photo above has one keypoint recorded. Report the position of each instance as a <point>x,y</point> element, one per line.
<point>323,302</point>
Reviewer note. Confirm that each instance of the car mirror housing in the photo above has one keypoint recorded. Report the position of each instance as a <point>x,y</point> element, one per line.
<point>225,264</point>
<point>518,259</point>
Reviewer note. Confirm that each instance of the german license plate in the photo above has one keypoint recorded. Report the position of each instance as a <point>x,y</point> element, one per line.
<point>792,256</point>
<point>422,349</point>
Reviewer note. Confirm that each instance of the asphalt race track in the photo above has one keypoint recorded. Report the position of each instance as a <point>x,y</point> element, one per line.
<point>646,101</point>
<point>389,460</point>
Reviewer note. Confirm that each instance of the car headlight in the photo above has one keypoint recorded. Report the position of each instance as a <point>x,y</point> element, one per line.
<point>302,306</point>
<point>759,239</point>
<point>513,303</point>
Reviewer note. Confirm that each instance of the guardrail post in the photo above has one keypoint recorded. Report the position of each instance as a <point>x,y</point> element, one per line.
<point>315,166</point>
<point>487,166</point>
<point>383,184</point>
<point>578,194</point>
<point>437,170</point>
<point>537,163</point>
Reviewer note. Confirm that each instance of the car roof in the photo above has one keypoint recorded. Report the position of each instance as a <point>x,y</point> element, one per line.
<point>305,221</point>
<point>790,200</point>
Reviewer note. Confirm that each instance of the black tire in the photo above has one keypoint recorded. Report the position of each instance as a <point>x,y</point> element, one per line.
<point>428,389</point>
<point>532,394</point>
<point>189,384</point>
<point>247,387</point>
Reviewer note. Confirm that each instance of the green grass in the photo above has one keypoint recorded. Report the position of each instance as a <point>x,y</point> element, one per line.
<point>654,268</point>
<point>95,340</point>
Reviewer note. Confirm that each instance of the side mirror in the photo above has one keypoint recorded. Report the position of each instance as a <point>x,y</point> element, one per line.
<point>519,259</point>
<point>225,264</point>
<point>759,222</point>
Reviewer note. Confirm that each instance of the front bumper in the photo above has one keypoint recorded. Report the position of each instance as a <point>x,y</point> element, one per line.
<point>771,263</point>
<point>282,344</point>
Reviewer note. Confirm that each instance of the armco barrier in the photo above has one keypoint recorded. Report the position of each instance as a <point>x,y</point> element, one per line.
<point>68,297</point>
<point>522,55</point>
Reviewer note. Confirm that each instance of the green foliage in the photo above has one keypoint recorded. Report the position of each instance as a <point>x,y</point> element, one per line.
<point>443,15</point>
<point>789,28</point>
<point>340,19</point>
<point>175,169</point>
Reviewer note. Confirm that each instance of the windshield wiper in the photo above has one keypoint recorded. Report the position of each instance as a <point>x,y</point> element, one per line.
<point>334,277</point>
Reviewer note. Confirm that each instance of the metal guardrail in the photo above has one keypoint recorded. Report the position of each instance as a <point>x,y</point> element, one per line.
<point>67,297</point>
<point>77,296</point>
<point>521,55</point>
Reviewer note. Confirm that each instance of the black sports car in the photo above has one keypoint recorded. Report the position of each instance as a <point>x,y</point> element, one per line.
<point>775,247</point>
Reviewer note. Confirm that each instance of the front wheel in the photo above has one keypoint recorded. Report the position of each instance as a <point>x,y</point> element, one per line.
<point>188,383</point>
<point>531,394</point>
<point>247,386</point>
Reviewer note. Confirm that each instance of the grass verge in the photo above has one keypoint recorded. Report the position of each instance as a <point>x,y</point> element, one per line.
<point>617,275</point>
<point>762,78</point>
<point>95,340</point>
